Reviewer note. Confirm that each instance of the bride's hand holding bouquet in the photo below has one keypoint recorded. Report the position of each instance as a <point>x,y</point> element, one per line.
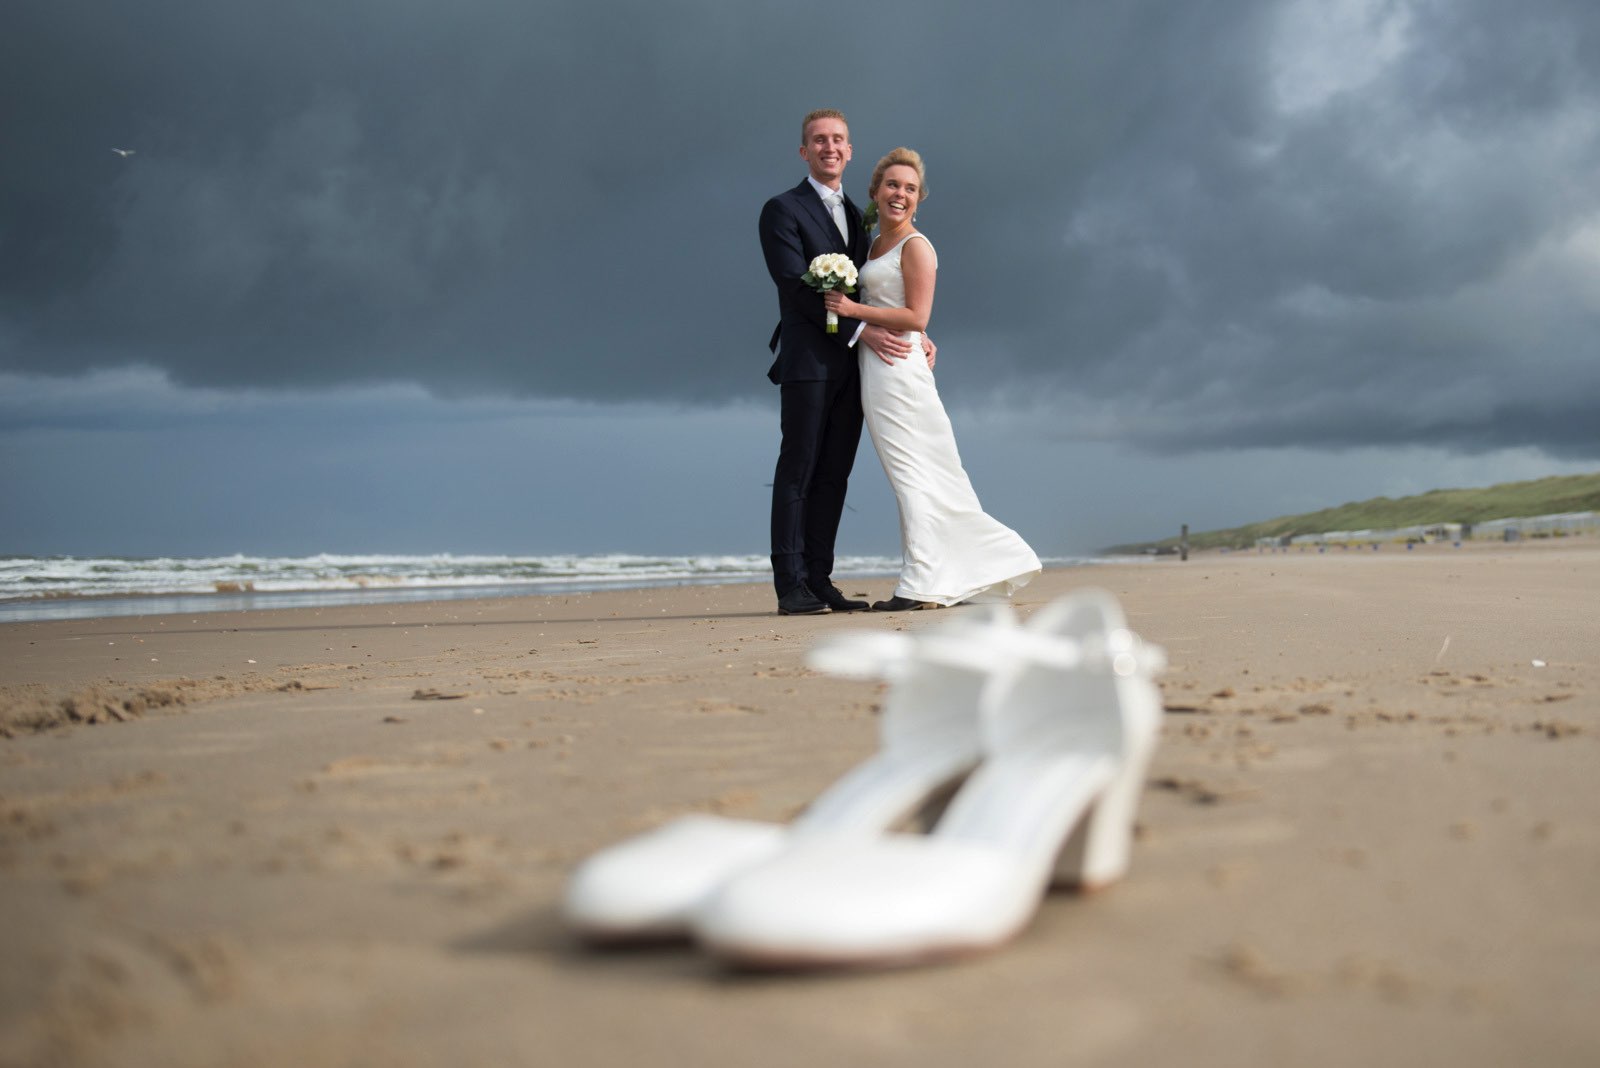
<point>839,304</point>
<point>828,274</point>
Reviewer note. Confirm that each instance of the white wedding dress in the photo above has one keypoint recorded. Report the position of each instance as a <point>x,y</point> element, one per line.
<point>953,551</point>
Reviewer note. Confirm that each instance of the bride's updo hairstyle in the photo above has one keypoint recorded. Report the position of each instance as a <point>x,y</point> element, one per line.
<point>905,157</point>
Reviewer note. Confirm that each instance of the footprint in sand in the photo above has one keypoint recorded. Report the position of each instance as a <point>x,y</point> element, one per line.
<point>433,781</point>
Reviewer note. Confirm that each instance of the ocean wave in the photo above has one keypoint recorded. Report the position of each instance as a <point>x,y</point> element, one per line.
<point>34,588</point>
<point>68,576</point>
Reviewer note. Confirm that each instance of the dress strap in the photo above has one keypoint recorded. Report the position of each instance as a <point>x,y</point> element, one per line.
<point>924,237</point>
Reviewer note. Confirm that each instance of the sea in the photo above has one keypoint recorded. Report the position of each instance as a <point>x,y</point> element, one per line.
<point>34,588</point>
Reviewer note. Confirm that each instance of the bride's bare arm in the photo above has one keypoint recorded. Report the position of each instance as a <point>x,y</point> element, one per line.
<point>918,266</point>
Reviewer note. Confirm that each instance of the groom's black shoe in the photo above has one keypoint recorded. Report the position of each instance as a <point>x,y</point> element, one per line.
<point>897,604</point>
<point>800,601</point>
<point>830,595</point>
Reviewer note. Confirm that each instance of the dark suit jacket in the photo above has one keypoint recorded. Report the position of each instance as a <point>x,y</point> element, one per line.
<point>795,229</point>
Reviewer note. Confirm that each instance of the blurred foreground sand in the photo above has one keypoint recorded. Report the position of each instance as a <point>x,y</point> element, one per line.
<point>336,837</point>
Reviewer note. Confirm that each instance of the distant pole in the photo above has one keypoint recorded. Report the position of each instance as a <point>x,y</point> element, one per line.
<point>1183,543</point>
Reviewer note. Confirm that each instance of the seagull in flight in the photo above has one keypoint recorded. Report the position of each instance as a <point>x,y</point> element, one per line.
<point>123,152</point>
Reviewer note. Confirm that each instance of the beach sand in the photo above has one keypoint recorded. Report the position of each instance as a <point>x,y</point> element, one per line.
<point>338,836</point>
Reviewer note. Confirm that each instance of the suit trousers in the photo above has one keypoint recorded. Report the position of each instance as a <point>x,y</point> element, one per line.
<point>821,424</point>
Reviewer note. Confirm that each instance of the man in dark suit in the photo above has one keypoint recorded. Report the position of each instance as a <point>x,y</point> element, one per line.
<point>815,370</point>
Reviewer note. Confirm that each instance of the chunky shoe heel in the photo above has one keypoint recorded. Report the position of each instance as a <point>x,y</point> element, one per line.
<point>1099,850</point>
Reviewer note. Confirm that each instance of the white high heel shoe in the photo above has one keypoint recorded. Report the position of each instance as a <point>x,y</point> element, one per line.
<point>647,887</point>
<point>1070,721</point>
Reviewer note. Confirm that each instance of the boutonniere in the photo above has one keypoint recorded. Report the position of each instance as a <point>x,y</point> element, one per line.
<point>869,218</point>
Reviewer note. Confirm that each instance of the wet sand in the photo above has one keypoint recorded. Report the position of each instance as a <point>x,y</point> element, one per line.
<point>337,836</point>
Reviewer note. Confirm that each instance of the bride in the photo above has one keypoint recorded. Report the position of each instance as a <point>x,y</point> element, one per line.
<point>953,551</point>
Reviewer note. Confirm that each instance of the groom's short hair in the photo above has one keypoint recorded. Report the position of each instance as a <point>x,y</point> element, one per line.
<point>821,113</point>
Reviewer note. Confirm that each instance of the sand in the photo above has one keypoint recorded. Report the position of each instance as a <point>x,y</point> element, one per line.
<point>337,837</point>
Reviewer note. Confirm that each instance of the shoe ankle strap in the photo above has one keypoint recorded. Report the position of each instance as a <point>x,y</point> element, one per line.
<point>861,654</point>
<point>877,655</point>
<point>880,655</point>
<point>1119,652</point>
<point>985,642</point>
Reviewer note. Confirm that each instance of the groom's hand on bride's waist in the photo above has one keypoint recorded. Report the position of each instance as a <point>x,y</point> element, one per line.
<point>890,346</point>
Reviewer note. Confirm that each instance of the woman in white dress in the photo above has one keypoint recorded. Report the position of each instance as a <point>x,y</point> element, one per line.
<point>953,551</point>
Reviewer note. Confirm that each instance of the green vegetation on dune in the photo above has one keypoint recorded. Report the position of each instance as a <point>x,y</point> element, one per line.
<point>1544,496</point>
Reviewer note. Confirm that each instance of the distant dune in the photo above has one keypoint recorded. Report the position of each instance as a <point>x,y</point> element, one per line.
<point>1543,496</point>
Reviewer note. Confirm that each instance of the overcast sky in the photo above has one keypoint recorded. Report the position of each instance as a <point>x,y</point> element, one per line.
<point>483,276</point>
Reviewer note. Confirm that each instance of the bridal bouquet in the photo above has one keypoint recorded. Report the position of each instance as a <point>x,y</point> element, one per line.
<point>831,270</point>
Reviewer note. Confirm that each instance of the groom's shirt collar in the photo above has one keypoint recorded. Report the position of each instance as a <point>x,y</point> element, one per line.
<point>823,191</point>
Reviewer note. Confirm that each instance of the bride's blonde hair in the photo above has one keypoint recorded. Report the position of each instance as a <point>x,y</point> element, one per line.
<point>905,157</point>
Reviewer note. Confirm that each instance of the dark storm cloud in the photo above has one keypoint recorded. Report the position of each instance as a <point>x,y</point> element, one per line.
<point>1232,224</point>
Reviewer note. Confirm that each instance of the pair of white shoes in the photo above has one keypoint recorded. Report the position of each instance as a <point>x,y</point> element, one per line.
<point>1044,731</point>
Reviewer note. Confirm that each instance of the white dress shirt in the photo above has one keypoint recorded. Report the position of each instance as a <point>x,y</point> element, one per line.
<point>824,192</point>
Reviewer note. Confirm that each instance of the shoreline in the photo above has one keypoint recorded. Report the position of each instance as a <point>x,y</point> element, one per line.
<point>169,602</point>
<point>89,605</point>
<point>337,835</point>
<point>92,604</point>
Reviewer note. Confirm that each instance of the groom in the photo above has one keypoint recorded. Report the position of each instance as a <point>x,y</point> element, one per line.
<point>816,371</point>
